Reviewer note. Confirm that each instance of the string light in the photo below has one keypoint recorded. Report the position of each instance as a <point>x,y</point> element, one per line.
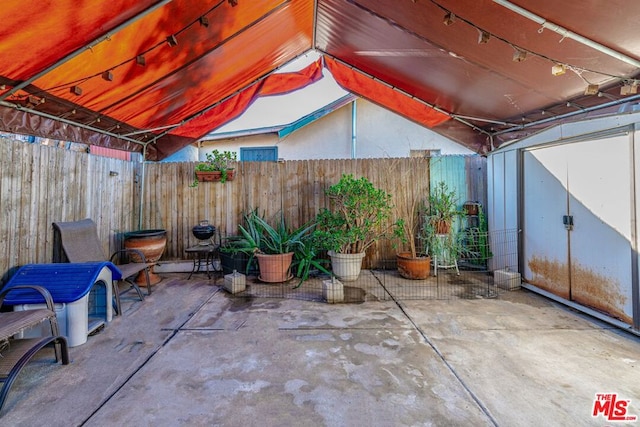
<point>592,89</point>
<point>484,37</point>
<point>172,41</point>
<point>519,55</point>
<point>33,101</point>
<point>629,88</point>
<point>558,69</point>
<point>449,18</point>
<point>108,76</point>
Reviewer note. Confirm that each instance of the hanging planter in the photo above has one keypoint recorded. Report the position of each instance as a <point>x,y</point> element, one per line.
<point>217,168</point>
<point>208,176</point>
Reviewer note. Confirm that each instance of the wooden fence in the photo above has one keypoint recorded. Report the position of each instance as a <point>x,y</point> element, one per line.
<point>294,188</point>
<point>40,185</point>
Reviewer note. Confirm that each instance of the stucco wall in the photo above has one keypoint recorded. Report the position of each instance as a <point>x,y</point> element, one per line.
<point>379,134</point>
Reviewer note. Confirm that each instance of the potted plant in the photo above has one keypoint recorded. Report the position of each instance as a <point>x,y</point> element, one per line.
<point>414,263</point>
<point>217,167</point>
<point>476,241</point>
<point>445,244</point>
<point>358,216</point>
<point>273,246</point>
<point>307,260</point>
<point>233,256</point>
<point>443,208</point>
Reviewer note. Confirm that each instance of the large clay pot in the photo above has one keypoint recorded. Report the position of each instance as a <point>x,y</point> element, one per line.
<point>413,268</point>
<point>346,266</point>
<point>151,243</point>
<point>274,268</point>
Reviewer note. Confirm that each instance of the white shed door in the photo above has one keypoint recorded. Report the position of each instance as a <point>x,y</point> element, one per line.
<point>590,183</point>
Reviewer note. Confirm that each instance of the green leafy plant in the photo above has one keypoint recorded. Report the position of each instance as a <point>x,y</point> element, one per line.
<point>477,241</point>
<point>259,236</point>
<point>217,161</point>
<point>307,257</point>
<point>443,208</point>
<point>359,215</point>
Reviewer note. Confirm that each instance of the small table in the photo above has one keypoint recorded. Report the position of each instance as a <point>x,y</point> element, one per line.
<point>204,258</point>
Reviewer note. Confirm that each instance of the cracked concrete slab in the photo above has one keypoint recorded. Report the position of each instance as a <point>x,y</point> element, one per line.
<point>191,354</point>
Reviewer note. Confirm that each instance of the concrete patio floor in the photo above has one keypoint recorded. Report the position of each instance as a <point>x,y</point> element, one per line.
<point>191,354</point>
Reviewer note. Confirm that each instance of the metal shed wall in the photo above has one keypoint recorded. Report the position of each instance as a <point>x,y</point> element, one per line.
<point>519,179</point>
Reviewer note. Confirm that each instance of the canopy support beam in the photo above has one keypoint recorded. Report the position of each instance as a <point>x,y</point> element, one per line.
<point>71,122</point>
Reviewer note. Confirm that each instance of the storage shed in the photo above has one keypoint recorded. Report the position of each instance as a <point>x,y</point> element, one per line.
<point>572,192</point>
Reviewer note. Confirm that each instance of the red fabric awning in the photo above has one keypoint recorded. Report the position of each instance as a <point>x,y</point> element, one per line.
<point>381,94</point>
<point>274,84</point>
<point>129,74</point>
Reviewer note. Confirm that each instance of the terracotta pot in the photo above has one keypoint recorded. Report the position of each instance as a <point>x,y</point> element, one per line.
<point>208,176</point>
<point>274,268</point>
<point>413,268</point>
<point>151,243</point>
<point>471,208</point>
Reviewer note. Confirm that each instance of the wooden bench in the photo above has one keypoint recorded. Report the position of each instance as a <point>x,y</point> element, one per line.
<point>15,353</point>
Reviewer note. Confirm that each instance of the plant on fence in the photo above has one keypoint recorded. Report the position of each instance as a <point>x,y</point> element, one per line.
<point>217,167</point>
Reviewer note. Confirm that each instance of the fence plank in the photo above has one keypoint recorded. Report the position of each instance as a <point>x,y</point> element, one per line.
<point>74,185</point>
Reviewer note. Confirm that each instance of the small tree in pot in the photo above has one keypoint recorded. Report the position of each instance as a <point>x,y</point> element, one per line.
<point>358,216</point>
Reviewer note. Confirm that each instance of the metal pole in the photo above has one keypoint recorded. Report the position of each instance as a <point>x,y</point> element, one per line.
<point>353,129</point>
<point>568,34</point>
<point>142,185</point>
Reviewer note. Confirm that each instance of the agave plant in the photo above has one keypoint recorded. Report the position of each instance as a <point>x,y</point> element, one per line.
<point>307,257</point>
<point>264,238</point>
<point>260,237</point>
